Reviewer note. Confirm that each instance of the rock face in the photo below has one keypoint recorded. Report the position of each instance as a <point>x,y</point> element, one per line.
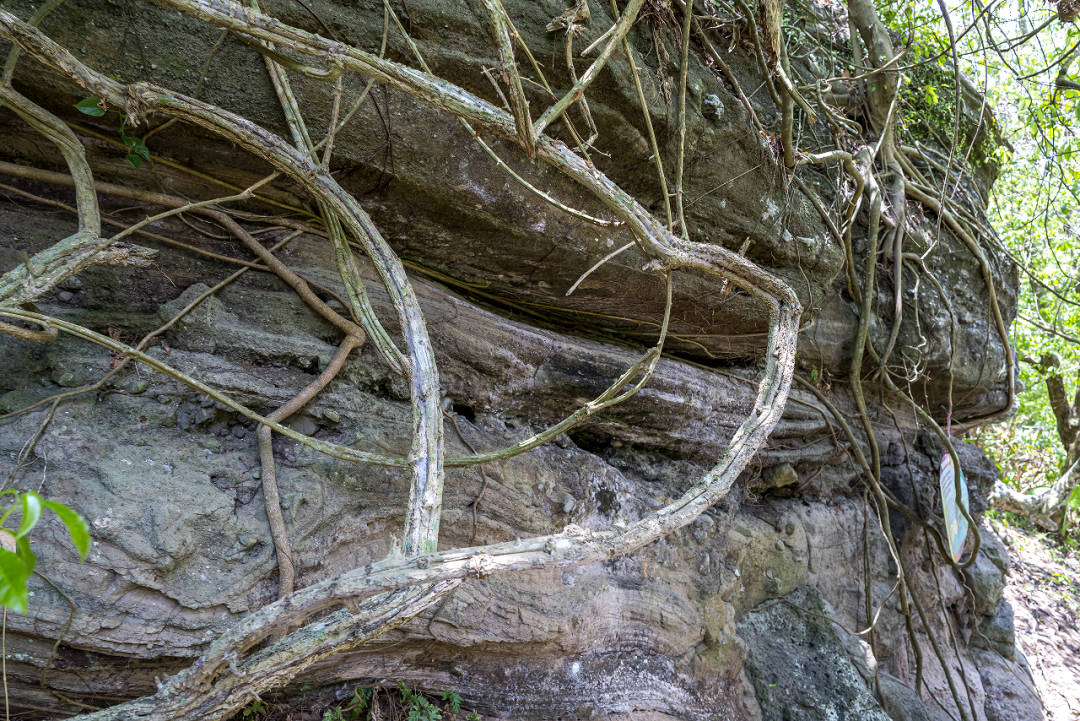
<point>799,667</point>
<point>1010,696</point>
<point>682,628</point>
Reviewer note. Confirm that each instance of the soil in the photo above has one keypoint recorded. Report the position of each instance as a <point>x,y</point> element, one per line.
<point>1044,590</point>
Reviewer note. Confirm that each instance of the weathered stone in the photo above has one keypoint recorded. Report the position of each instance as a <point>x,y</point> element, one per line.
<point>14,400</point>
<point>194,331</point>
<point>304,425</point>
<point>900,702</point>
<point>211,444</point>
<point>995,550</point>
<point>800,670</point>
<point>987,582</point>
<point>66,379</point>
<point>780,476</point>
<point>997,632</point>
<point>704,522</point>
<point>711,107</point>
<point>452,207</point>
<point>1010,693</point>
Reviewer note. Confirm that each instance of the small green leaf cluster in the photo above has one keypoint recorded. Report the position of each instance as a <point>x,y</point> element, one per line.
<point>928,94</point>
<point>453,699</point>
<point>255,708</point>
<point>138,151</point>
<point>17,559</point>
<point>414,704</point>
<point>420,709</point>
<point>355,709</point>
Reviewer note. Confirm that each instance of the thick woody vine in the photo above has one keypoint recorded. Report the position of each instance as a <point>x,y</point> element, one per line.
<point>415,576</point>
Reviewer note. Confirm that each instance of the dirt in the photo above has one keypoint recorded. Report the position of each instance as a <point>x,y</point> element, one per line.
<point>1044,590</point>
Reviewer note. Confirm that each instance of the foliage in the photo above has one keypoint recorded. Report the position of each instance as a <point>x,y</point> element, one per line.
<point>17,559</point>
<point>95,107</point>
<point>405,703</point>
<point>256,708</point>
<point>453,699</point>
<point>928,98</point>
<point>420,709</point>
<point>1026,77</point>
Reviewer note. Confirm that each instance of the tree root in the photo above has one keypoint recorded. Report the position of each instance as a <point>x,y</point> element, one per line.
<point>286,573</point>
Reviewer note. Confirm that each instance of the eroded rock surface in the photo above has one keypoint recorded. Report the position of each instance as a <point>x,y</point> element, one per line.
<point>682,628</point>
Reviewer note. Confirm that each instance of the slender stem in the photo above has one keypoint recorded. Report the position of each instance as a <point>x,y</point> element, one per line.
<point>286,572</point>
<point>158,160</point>
<point>519,105</point>
<point>70,255</point>
<point>350,276</point>
<point>684,66</point>
<point>726,69</point>
<point>863,333</point>
<point>34,336</point>
<point>539,193</point>
<point>787,124</point>
<point>748,15</point>
<point>582,101</point>
<point>599,263</point>
<point>3,665</point>
<point>626,21</point>
<point>332,72</point>
<point>331,449</point>
<point>647,116</point>
<point>333,124</point>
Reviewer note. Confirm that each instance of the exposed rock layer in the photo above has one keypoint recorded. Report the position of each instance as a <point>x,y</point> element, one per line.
<point>680,629</point>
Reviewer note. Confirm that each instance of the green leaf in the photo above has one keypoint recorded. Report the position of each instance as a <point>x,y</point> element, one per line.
<point>141,150</point>
<point>1074,499</point>
<point>91,106</point>
<point>13,576</point>
<point>76,525</point>
<point>31,508</point>
<point>26,554</point>
<point>453,698</point>
<point>134,160</point>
